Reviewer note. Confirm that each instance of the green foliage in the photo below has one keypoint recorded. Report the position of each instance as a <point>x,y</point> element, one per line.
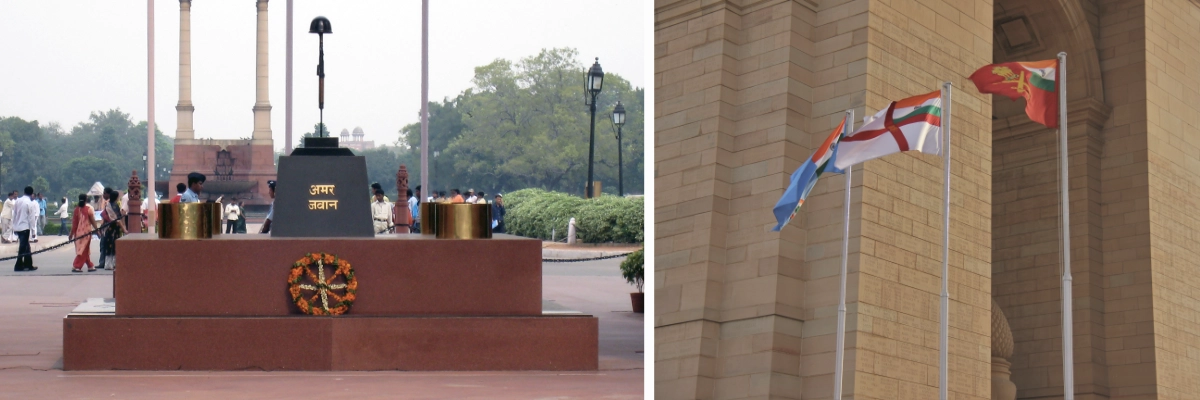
<point>382,165</point>
<point>631,269</point>
<point>538,213</point>
<point>524,125</point>
<point>319,130</point>
<point>105,148</point>
<point>41,185</point>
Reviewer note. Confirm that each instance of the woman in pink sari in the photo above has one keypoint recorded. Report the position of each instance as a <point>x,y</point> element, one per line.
<point>82,225</point>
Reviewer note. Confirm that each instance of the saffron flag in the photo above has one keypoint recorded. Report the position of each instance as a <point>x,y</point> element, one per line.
<point>914,124</point>
<point>805,178</point>
<point>1035,81</point>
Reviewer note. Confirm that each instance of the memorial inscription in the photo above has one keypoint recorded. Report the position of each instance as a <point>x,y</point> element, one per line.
<point>315,197</point>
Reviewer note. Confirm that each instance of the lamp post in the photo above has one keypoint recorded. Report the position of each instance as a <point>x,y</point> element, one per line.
<point>618,119</point>
<point>1,170</point>
<point>145,166</point>
<point>593,83</point>
<point>320,26</point>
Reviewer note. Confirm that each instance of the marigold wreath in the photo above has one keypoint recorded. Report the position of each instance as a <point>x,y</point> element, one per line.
<point>324,299</point>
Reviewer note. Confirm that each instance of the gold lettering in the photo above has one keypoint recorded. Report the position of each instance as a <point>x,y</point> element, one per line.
<point>322,204</point>
<point>321,189</point>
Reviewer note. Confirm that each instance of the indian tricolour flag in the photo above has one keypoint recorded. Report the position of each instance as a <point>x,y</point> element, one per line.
<point>805,177</point>
<point>912,124</point>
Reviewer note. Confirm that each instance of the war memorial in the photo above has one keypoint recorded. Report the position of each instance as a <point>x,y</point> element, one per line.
<point>322,291</point>
<point>747,90</point>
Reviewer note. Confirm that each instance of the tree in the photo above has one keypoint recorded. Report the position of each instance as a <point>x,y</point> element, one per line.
<point>82,172</point>
<point>524,124</point>
<point>319,129</point>
<point>41,185</point>
<point>382,165</point>
<point>33,151</point>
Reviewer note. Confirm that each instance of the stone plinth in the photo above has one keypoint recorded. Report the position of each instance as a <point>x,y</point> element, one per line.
<point>305,343</point>
<point>423,304</point>
<point>245,275</point>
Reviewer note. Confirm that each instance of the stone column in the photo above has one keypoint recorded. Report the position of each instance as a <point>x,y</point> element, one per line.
<point>183,129</point>
<point>262,106</point>
<point>134,222</point>
<point>403,216</point>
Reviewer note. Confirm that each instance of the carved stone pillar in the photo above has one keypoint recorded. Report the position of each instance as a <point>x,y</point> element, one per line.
<point>1002,349</point>
<point>402,214</point>
<point>134,222</point>
<point>184,108</point>
<point>262,102</point>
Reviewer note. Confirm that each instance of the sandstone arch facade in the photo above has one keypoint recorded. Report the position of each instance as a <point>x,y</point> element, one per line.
<point>744,89</point>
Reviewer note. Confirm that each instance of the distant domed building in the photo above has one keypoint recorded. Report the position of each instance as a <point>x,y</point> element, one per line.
<point>357,143</point>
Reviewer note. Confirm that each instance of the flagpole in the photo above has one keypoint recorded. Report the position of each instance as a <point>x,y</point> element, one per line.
<point>944,334</point>
<point>1067,309</point>
<point>840,350</point>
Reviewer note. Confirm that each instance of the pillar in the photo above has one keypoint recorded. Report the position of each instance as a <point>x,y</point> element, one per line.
<point>262,105</point>
<point>183,129</point>
<point>134,223</point>
<point>403,216</point>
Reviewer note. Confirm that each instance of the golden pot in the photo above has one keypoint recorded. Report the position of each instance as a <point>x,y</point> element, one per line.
<point>189,220</point>
<point>464,221</point>
<point>428,218</point>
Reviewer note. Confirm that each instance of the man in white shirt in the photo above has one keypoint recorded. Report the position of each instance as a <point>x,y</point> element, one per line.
<point>232,212</point>
<point>6,232</point>
<point>471,198</point>
<point>381,213</point>
<point>25,216</point>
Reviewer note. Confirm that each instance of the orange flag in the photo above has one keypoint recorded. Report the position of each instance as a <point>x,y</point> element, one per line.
<point>1035,81</point>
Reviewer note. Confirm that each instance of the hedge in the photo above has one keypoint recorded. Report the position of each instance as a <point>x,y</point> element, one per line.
<point>538,213</point>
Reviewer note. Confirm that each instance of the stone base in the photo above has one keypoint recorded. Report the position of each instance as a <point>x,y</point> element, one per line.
<point>246,275</point>
<point>554,342</point>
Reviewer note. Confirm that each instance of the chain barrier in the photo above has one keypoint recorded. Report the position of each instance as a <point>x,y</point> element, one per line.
<point>568,260</point>
<point>57,246</point>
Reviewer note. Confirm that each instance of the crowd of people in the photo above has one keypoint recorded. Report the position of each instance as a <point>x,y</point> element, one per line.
<point>23,218</point>
<point>7,232</point>
<point>383,212</point>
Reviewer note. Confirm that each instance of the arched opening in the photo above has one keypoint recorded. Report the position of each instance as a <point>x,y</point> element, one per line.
<point>1026,216</point>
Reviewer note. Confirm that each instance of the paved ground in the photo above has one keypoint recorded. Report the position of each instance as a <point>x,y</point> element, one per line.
<point>32,305</point>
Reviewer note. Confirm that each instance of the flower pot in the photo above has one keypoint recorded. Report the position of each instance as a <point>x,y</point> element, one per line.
<point>638,302</point>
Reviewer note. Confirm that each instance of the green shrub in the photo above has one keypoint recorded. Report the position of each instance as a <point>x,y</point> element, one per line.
<point>538,213</point>
<point>632,270</point>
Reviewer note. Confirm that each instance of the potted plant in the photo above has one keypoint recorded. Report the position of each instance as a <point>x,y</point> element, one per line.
<point>632,270</point>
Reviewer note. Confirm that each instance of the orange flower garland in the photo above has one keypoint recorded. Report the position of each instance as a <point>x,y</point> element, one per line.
<point>324,300</point>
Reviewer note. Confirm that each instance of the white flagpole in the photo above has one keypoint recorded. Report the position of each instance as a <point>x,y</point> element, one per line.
<point>944,336</point>
<point>1068,335</point>
<point>840,350</point>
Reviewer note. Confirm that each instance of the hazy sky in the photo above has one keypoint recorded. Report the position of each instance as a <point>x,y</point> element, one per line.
<point>67,58</point>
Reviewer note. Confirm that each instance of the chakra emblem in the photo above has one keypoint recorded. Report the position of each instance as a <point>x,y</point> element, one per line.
<point>316,292</point>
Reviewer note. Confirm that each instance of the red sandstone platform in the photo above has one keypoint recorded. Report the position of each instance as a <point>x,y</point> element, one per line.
<point>97,342</point>
<point>245,275</point>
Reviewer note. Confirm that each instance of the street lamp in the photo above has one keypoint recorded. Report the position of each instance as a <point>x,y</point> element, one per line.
<point>593,83</point>
<point>320,26</point>
<point>145,166</point>
<point>618,119</point>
